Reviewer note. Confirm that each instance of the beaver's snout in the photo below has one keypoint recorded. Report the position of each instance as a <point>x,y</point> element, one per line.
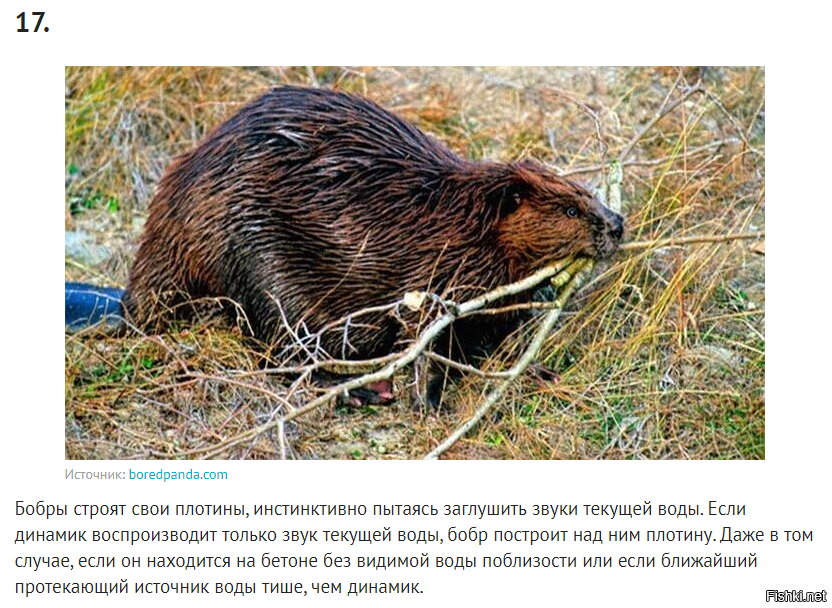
<point>609,237</point>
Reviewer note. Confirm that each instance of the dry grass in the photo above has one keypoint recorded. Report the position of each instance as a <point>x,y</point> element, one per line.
<point>662,356</point>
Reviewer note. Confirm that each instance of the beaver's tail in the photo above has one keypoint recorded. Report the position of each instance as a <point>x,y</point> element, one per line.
<point>88,305</point>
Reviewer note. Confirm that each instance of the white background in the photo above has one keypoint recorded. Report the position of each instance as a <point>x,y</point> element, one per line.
<point>788,491</point>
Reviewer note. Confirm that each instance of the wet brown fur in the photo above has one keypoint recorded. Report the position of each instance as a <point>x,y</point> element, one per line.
<point>310,204</point>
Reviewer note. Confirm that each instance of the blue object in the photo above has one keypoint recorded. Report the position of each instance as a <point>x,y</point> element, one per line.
<point>88,305</point>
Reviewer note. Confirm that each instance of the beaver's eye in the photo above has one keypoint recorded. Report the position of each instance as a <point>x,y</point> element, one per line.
<point>572,212</point>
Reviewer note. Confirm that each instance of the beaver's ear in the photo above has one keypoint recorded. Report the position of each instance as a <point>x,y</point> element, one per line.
<point>510,196</point>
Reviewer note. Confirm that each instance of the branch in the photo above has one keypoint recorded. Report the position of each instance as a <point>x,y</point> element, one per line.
<point>582,271</point>
<point>560,272</point>
<point>689,240</point>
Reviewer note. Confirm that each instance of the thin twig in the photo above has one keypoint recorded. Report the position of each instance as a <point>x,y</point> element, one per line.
<point>648,163</point>
<point>463,367</point>
<point>233,382</point>
<point>689,240</point>
<point>522,306</point>
<point>663,111</point>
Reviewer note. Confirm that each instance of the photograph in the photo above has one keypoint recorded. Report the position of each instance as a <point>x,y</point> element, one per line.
<point>400,263</point>
<point>456,304</point>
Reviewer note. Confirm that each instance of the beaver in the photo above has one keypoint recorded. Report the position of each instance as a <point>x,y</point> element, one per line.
<point>310,204</point>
